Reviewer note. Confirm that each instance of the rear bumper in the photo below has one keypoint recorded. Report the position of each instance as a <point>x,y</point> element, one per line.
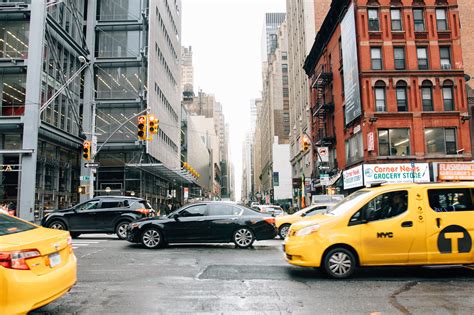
<point>266,233</point>
<point>23,291</point>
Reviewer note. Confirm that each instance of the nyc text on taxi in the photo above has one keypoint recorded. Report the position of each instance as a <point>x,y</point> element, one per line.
<point>37,265</point>
<point>409,224</point>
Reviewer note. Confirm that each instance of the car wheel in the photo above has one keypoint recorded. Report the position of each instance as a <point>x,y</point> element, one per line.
<point>339,263</point>
<point>57,225</point>
<point>152,238</point>
<point>121,229</point>
<point>243,237</point>
<point>283,231</point>
<point>74,235</point>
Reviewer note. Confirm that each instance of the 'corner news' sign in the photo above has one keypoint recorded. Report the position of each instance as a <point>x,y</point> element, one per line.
<point>390,173</point>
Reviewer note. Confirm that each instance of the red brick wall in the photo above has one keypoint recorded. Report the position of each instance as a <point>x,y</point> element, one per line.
<point>466,12</point>
<point>321,8</point>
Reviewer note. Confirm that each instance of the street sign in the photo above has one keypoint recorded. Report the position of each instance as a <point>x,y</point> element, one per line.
<point>85,178</point>
<point>92,165</point>
<point>324,179</point>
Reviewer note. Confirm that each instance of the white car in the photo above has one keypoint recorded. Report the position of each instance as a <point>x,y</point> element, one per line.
<point>270,209</point>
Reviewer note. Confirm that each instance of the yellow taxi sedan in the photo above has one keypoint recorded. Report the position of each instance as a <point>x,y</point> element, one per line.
<point>283,223</point>
<point>37,265</point>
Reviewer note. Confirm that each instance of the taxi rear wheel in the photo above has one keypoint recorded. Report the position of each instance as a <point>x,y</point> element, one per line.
<point>339,263</point>
<point>283,231</point>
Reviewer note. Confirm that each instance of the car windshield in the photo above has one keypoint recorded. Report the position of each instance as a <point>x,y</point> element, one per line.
<point>11,225</point>
<point>348,203</point>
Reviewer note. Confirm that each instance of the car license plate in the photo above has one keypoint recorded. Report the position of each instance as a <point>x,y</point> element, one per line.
<point>54,260</point>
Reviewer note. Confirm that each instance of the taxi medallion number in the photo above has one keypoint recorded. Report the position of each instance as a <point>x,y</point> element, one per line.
<point>54,260</point>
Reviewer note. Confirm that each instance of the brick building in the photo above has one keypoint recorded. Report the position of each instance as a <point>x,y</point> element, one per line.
<point>388,87</point>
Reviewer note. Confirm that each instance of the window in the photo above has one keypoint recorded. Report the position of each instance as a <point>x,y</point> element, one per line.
<point>441,21</point>
<point>354,148</point>
<point>380,104</point>
<point>118,83</point>
<point>111,204</point>
<point>109,10</point>
<point>422,54</point>
<point>376,57</point>
<point>451,200</point>
<point>386,206</point>
<point>396,17</point>
<point>402,103</point>
<point>139,204</point>
<point>11,225</point>
<point>399,56</point>
<point>14,37</point>
<point>276,179</point>
<point>315,211</point>
<point>284,68</point>
<point>419,20</point>
<point>118,44</point>
<point>13,92</point>
<point>223,209</point>
<point>284,55</point>
<point>427,96</point>
<point>94,204</point>
<point>440,140</point>
<point>374,20</point>
<point>445,57</point>
<point>394,142</point>
<point>194,211</point>
<point>448,99</point>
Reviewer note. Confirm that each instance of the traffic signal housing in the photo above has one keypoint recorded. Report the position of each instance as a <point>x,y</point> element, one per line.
<point>306,144</point>
<point>86,150</point>
<point>142,127</point>
<point>153,124</point>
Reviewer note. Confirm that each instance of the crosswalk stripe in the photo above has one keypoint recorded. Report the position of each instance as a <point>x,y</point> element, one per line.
<point>85,242</point>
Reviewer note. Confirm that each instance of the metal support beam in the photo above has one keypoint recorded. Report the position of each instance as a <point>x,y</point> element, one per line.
<point>32,115</point>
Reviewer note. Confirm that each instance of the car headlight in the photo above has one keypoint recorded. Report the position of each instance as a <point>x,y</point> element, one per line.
<point>307,230</point>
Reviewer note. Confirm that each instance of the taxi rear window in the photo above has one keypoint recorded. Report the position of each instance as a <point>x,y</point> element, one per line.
<point>11,225</point>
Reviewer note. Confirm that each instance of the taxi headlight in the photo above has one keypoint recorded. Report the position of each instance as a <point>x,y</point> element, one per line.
<point>307,230</point>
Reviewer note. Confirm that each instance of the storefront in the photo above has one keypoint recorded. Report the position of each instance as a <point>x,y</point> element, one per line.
<point>453,171</point>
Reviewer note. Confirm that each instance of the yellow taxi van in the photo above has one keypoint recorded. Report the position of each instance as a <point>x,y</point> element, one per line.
<point>398,224</point>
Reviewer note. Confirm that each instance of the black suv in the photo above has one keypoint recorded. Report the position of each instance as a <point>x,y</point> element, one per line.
<point>100,215</point>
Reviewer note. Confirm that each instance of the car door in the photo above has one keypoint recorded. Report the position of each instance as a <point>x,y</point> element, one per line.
<point>390,229</point>
<point>105,216</point>
<point>450,225</point>
<point>83,217</point>
<point>190,225</point>
<point>223,221</point>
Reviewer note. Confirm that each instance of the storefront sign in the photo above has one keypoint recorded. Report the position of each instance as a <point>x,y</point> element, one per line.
<point>353,177</point>
<point>396,173</point>
<point>456,171</point>
<point>370,141</point>
<point>324,179</point>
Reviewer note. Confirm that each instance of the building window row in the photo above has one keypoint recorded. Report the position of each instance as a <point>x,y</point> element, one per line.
<point>165,102</point>
<point>168,141</point>
<point>120,10</point>
<point>167,37</point>
<point>171,19</point>
<point>162,60</point>
<point>14,37</point>
<point>401,95</point>
<point>399,56</point>
<point>396,142</point>
<point>397,21</point>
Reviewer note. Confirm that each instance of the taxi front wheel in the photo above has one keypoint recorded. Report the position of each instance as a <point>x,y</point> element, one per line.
<point>339,263</point>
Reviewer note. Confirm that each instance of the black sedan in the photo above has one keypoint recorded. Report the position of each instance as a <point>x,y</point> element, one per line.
<point>204,222</point>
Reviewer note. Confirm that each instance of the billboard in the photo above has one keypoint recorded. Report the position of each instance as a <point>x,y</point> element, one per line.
<point>351,66</point>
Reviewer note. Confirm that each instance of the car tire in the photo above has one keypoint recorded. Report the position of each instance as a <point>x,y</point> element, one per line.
<point>283,230</point>
<point>339,263</point>
<point>152,238</point>
<point>57,225</point>
<point>75,235</point>
<point>121,229</point>
<point>243,237</point>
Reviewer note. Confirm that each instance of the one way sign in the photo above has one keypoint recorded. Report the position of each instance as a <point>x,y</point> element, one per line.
<point>91,165</point>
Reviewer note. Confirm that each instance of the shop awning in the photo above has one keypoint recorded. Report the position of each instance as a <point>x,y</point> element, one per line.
<point>159,169</point>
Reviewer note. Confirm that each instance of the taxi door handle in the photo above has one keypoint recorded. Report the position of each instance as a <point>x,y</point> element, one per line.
<point>438,222</point>
<point>407,224</point>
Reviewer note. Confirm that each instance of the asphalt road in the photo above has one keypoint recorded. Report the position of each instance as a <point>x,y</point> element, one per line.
<point>116,277</point>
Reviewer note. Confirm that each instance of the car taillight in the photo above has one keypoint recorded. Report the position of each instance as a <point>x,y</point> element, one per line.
<point>143,211</point>
<point>270,220</point>
<point>17,259</point>
<point>69,244</point>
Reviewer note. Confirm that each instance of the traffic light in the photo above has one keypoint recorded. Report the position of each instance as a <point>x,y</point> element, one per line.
<point>142,127</point>
<point>153,124</point>
<point>86,150</point>
<point>306,144</point>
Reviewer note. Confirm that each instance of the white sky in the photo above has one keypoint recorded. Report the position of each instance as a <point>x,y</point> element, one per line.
<point>226,36</point>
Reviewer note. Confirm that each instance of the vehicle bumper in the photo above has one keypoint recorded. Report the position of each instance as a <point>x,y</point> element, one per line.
<point>266,233</point>
<point>303,251</point>
<point>22,290</point>
<point>133,235</point>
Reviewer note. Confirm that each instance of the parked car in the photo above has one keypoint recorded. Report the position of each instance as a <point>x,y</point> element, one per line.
<point>105,214</point>
<point>270,209</point>
<point>402,224</point>
<point>284,222</point>
<point>204,222</point>
<point>37,265</point>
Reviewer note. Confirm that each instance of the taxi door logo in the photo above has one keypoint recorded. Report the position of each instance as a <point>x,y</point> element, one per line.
<point>454,239</point>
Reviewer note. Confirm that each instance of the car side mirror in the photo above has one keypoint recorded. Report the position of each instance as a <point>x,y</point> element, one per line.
<point>303,214</point>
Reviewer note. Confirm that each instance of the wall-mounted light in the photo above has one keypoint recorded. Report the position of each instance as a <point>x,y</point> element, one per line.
<point>465,117</point>
<point>372,119</point>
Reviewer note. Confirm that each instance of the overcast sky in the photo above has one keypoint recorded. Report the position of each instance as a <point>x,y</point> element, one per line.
<point>225,36</point>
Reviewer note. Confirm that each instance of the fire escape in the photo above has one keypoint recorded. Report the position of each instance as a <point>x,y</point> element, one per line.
<point>322,108</point>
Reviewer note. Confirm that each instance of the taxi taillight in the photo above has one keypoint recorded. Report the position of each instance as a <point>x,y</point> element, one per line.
<point>143,211</point>
<point>69,244</point>
<point>17,259</point>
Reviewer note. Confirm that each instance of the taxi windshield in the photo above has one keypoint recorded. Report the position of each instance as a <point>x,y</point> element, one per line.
<point>11,225</point>
<point>348,203</point>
